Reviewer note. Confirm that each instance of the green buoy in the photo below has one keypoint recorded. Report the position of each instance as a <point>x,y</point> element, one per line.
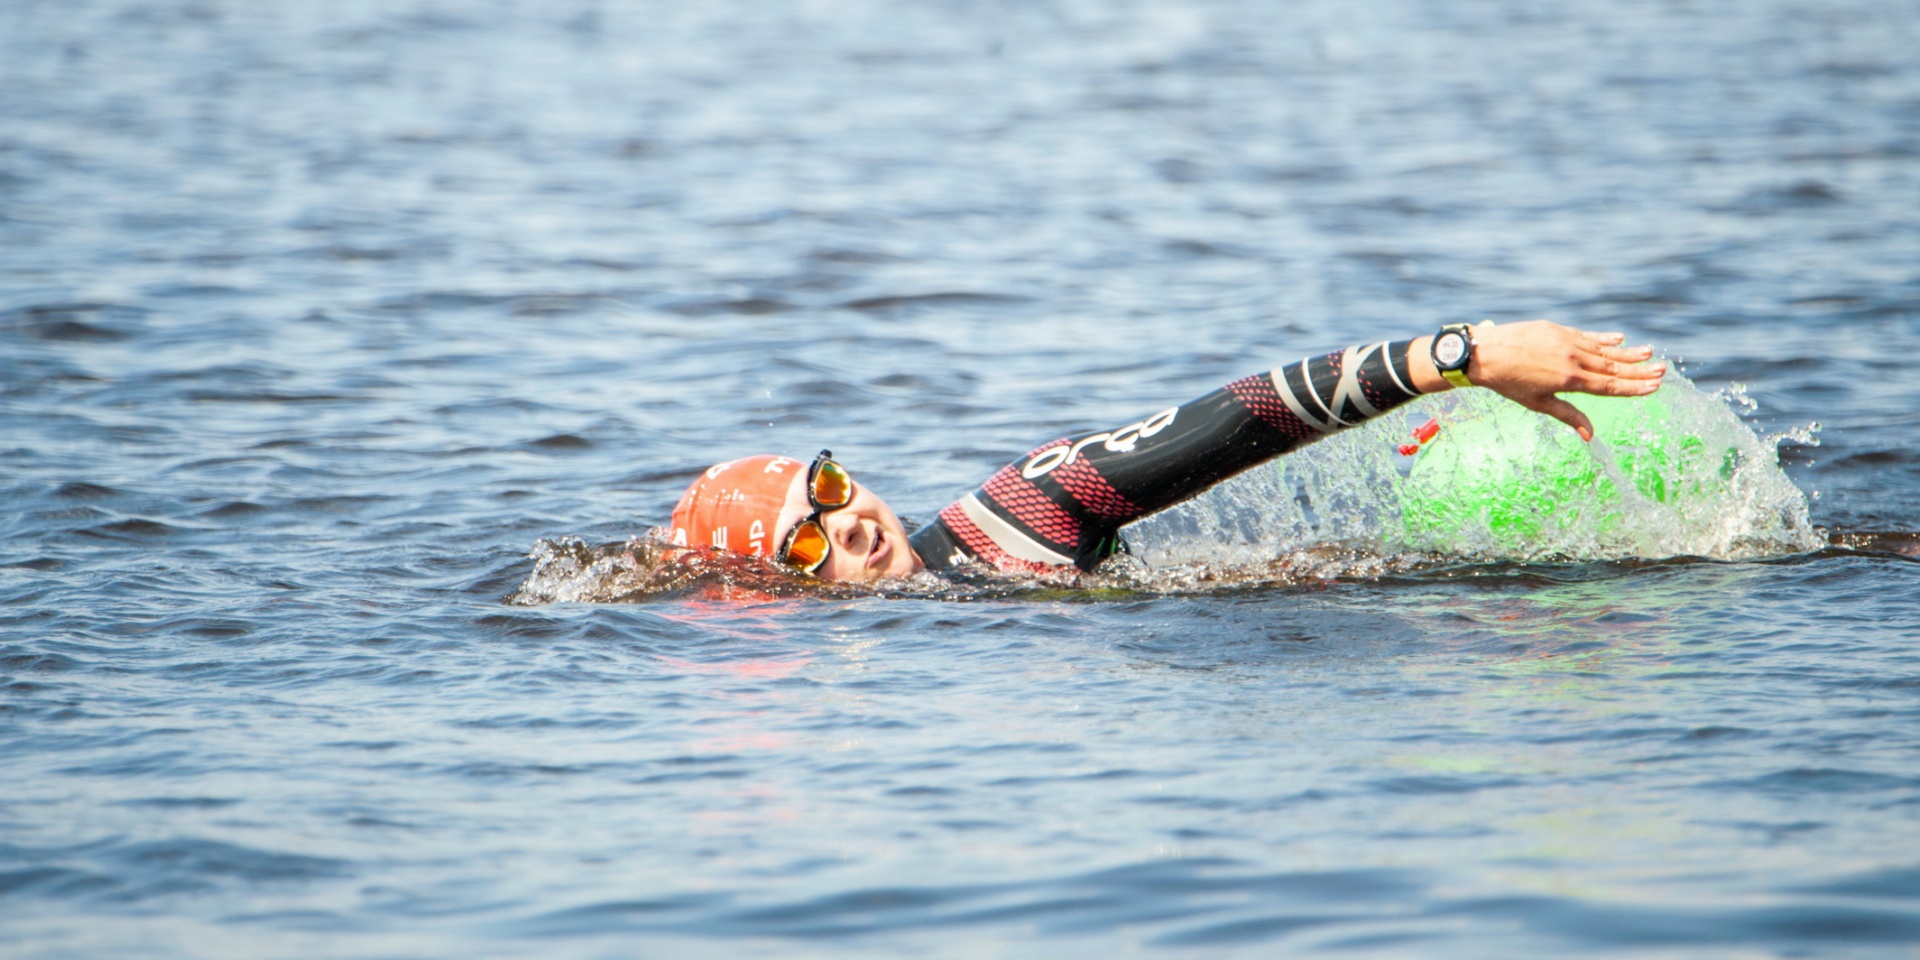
<point>1499,478</point>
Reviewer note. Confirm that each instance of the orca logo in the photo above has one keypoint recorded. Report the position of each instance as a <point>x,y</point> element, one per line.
<point>1122,440</point>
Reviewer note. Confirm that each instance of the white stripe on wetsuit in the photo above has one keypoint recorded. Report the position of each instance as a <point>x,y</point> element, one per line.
<point>1280,385</point>
<point>1001,532</point>
<point>1387,358</point>
<point>1348,389</point>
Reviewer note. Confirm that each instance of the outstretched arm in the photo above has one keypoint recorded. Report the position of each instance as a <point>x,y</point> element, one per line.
<point>1065,501</point>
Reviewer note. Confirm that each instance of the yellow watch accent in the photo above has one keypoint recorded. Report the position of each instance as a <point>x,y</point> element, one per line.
<point>1459,377</point>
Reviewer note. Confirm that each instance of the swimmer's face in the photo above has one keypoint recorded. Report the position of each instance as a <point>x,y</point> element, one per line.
<point>868,541</point>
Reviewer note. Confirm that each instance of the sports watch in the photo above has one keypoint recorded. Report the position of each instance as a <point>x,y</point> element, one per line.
<point>1452,350</point>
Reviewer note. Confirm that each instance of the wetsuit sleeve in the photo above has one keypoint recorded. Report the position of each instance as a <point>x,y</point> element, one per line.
<point>1065,501</point>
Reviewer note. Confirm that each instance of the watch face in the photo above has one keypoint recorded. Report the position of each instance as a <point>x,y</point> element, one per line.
<point>1449,349</point>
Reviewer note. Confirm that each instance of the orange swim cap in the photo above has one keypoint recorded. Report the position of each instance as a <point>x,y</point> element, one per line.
<point>735,505</point>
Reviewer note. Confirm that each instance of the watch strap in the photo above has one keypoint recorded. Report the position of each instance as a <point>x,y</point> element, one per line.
<point>1459,377</point>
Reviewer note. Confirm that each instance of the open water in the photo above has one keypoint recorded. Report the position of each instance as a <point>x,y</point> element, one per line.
<point>317,319</point>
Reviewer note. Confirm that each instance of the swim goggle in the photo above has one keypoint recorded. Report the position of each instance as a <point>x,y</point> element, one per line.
<point>828,488</point>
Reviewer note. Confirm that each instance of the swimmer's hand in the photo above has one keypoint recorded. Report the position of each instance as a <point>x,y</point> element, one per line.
<point>1532,363</point>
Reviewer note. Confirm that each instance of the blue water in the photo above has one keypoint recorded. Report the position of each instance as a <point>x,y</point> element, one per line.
<point>316,319</point>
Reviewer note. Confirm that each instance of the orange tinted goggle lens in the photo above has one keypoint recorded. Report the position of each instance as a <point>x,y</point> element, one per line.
<point>808,550</point>
<point>831,486</point>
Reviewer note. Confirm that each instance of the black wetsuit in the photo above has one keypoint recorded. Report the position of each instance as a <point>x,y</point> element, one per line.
<point>1065,502</point>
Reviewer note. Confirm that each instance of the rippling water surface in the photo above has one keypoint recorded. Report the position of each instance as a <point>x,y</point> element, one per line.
<point>316,318</point>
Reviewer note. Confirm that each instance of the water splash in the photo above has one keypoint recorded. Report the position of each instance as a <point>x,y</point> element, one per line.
<point>1676,475</point>
<point>649,568</point>
<point>570,570</point>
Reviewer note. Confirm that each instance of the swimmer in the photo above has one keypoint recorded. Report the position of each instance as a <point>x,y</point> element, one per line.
<point>1063,504</point>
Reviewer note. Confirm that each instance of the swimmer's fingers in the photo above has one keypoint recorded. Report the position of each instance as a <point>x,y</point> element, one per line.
<point>1616,352</point>
<point>1624,364</point>
<point>1598,385</point>
<point>1564,412</point>
<point>1606,344</point>
<point>1602,353</point>
<point>1634,382</point>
